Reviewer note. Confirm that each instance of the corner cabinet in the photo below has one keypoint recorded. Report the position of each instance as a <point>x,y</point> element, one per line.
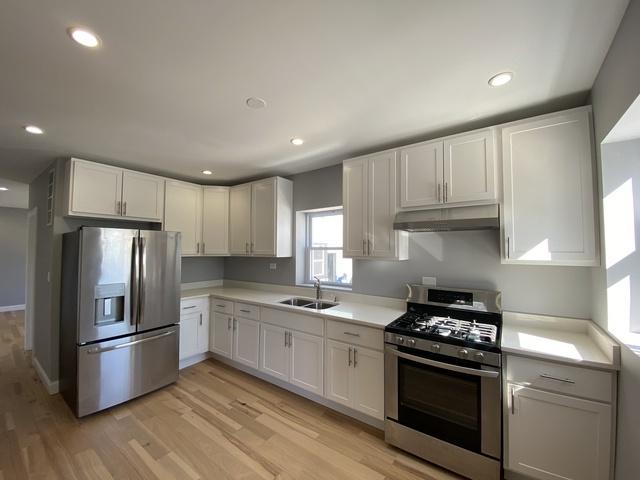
<point>548,215</point>
<point>369,205</point>
<point>261,218</point>
<point>103,191</point>
<point>215,221</point>
<point>183,213</point>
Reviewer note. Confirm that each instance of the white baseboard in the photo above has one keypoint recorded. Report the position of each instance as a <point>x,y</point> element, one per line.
<point>52,387</point>
<point>204,284</point>
<point>11,308</point>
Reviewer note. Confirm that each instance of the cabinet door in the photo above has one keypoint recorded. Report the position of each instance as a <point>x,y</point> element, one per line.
<point>95,189</point>
<point>142,195</point>
<point>421,175</point>
<point>338,369</point>
<point>307,365</point>
<point>246,342</point>
<point>354,199</point>
<point>240,219</point>
<point>548,214</point>
<point>189,335</point>
<point>382,205</point>
<point>274,353</point>
<point>368,381</point>
<point>215,221</point>
<point>183,213</point>
<point>263,217</point>
<point>203,332</point>
<point>470,168</point>
<point>555,436</point>
<point>221,334</point>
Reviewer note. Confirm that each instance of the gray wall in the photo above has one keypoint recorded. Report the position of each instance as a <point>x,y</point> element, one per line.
<point>470,259</point>
<point>199,269</point>
<point>13,255</point>
<point>616,87</point>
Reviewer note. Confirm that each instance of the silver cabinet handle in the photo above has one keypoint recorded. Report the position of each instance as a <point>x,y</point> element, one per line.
<point>245,311</point>
<point>200,319</point>
<point>124,208</point>
<point>446,192</point>
<point>246,247</point>
<point>118,209</point>
<point>197,247</point>
<point>290,339</point>
<point>235,324</point>
<point>368,247</point>
<point>352,334</point>
<point>508,247</point>
<point>557,379</point>
<point>364,247</point>
<point>251,250</point>
<point>513,401</point>
<point>219,306</point>
<point>228,323</point>
<point>190,306</point>
<point>95,350</point>
<point>350,356</point>
<point>355,357</point>
<point>286,344</point>
<point>439,194</point>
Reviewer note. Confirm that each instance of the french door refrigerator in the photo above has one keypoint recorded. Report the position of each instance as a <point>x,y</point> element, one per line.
<point>119,316</point>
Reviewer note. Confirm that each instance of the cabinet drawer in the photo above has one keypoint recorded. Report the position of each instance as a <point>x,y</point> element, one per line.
<point>355,334</point>
<point>193,305</point>
<point>581,382</point>
<point>294,321</point>
<point>246,310</point>
<point>222,306</point>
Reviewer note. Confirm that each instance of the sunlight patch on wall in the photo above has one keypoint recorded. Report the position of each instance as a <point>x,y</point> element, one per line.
<point>619,306</point>
<point>539,252</point>
<point>619,226</point>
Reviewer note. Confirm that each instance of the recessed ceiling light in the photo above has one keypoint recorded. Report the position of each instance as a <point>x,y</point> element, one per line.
<point>256,102</point>
<point>3,189</point>
<point>84,37</point>
<point>297,141</point>
<point>207,172</point>
<point>500,79</point>
<point>34,129</point>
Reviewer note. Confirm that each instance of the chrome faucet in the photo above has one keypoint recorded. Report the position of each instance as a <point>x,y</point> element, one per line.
<point>316,285</point>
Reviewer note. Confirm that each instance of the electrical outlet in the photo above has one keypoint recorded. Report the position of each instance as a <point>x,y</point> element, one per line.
<point>273,266</point>
<point>429,281</point>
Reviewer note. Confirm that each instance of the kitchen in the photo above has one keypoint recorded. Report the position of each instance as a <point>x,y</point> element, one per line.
<point>455,311</point>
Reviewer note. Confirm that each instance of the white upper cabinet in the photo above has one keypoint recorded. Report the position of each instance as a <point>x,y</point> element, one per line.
<point>548,214</point>
<point>421,175</point>
<point>470,168</point>
<point>96,190</point>
<point>369,204</point>
<point>183,213</point>
<point>261,218</point>
<point>240,219</point>
<point>142,195</point>
<point>215,221</point>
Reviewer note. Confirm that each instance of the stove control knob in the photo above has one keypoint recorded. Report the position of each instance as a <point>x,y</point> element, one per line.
<point>463,353</point>
<point>479,356</point>
<point>435,347</point>
<point>400,339</point>
<point>411,342</point>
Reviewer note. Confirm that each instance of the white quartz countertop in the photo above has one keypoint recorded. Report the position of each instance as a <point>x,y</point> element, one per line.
<point>566,340</point>
<point>348,311</point>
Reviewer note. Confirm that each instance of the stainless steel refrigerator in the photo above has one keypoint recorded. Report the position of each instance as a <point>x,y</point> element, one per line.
<point>119,316</point>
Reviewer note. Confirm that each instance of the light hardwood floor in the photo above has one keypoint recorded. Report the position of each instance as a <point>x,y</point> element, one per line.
<point>214,423</point>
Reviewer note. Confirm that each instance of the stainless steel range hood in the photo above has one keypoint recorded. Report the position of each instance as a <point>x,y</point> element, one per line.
<point>483,217</point>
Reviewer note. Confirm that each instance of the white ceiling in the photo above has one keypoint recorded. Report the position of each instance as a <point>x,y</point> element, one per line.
<point>166,91</point>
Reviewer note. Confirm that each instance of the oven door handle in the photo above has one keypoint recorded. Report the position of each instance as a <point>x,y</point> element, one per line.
<point>445,366</point>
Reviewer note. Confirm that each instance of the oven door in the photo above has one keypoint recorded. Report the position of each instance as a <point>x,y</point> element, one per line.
<point>453,401</point>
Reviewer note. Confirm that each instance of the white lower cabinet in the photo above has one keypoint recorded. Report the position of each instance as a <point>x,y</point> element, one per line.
<point>246,341</point>
<point>553,436</point>
<point>355,377</point>
<point>221,338</point>
<point>189,335</point>
<point>293,357</point>
<point>194,328</point>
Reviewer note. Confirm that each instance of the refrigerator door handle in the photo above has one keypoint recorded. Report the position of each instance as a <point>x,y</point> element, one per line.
<point>128,344</point>
<point>142,254</point>
<point>135,270</point>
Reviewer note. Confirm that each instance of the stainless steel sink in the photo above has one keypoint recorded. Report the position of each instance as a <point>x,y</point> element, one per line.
<point>297,302</point>
<point>320,305</point>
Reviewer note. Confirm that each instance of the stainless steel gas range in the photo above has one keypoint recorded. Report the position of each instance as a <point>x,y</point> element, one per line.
<point>442,379</point>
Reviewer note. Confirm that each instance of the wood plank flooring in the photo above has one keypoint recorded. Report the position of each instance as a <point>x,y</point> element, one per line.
<point>214,423</point>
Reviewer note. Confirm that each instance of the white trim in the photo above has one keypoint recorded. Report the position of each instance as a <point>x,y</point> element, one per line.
<point>30,277</point>
<point>11,308</point>
<point>204,284</point>
<point>51,387</point>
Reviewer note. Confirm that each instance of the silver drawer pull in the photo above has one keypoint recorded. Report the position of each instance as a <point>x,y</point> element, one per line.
<point>245,311</point>
<point>221,306</point>
<point>351,334</point>
<point>192,306</point>
<point>557,379</point>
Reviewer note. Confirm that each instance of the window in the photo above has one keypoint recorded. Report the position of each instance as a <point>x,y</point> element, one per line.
<point>323,258</point>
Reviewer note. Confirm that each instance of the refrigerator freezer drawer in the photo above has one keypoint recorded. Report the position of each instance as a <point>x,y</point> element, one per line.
<point>115,371</point>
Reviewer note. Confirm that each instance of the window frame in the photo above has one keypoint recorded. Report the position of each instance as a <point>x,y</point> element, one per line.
<point>308,248</point>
